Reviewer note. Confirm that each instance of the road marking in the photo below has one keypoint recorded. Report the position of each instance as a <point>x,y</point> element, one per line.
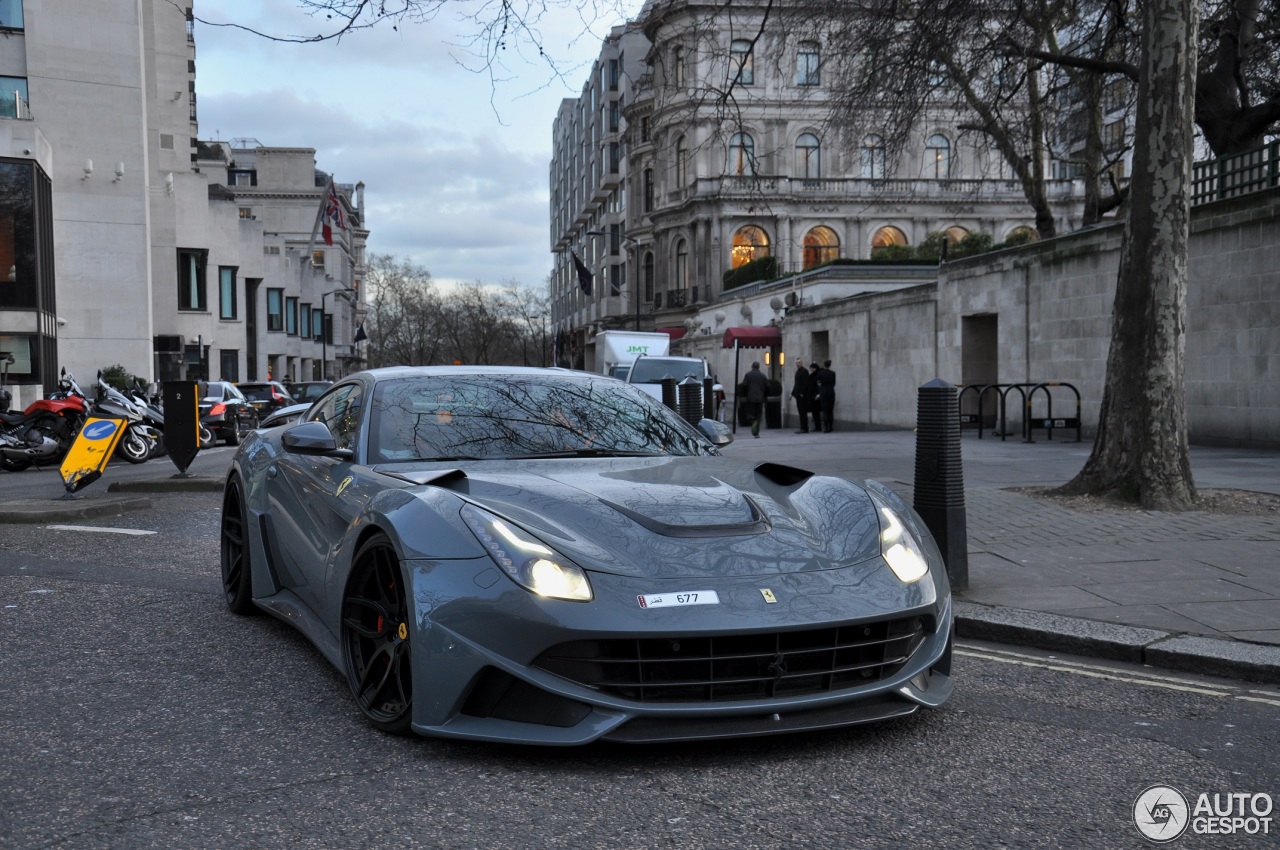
<point>1151,680</point>
<point>134,531</point>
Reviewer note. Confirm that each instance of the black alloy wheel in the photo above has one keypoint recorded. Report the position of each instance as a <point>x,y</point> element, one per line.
<point>375,637</point>
<point>237,573</point>
<point>233,432</point>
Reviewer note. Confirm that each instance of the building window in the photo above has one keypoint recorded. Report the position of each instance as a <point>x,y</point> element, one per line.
<point>956,234</point>
<point>304,320</point>
<point>317,259</point>
<point>275,310</point>
<point>22,202</point>
<point>742,154</point>
<point>613,74</point>
<point>615,278</point>
<point>317,323</point>
<point>682,267</point>
<point>821,245</point>
<point>873,157</point>
<point>749,243</point>
<point>808,157</point>
<point>937,157</point>
<point>13,98</point>
<point>291,316</point>
<point>246,213</point>
<point>191,290</point>
<point>615,157</point>
<point>741,65</point>
<point>227,292</point>
<point>229,361</point>
<point>648,190</point>
<point>648,276</point>
<point>807,60</point>
<point>1022,233</point>
<point>681,155</point>
<point>677,66</point>
<point>11,14</point>
<point>1113,135</point>
<point>886,236</point>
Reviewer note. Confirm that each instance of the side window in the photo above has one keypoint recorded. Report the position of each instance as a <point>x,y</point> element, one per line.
<point>341,410</point>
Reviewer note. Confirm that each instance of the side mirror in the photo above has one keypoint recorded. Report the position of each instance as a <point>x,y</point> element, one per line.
<point>717,433</point>
<point>313,438</point>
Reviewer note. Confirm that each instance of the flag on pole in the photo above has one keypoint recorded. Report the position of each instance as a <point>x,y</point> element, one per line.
<point>333,215</point>
<point>584,273</point>
<point>360,334</point>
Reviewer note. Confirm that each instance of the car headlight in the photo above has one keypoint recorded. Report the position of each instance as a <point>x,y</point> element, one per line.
<point>530,563</point>
<point>899,547</point>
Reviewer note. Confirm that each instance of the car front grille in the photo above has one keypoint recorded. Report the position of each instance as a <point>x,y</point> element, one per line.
<point>738,667</point>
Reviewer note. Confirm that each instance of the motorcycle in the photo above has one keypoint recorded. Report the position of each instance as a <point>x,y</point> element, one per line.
<point>137,442</point>
<point>42,433</point>
<point>152,416</point>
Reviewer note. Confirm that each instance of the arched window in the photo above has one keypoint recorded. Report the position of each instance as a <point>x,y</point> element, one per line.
<point>648,276</point>
<point>741,68</point>
<point>749,243</point>
<point>742,154</point>
<point>937,157</point>
<point>886,236</point>
<point>821,245</point>
<point>677,66</point>
<point>1021,234</point>
<point>682,155</point>
<point>956,233</point>
<point>873,157</point>
<point>808,157</point>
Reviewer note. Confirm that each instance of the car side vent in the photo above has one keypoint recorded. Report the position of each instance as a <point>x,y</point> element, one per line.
<point>785,476</point>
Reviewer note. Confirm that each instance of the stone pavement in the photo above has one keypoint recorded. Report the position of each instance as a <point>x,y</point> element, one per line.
<point>1187,591</point>
<point>1190,591</point>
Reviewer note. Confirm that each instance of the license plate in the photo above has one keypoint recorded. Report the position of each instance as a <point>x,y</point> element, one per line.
<point>679,598</point>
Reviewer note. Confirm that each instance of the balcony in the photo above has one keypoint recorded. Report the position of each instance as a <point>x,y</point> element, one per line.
<point>873,190</point>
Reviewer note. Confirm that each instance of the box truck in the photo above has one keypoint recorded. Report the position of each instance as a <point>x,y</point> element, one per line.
<point>617,350</point>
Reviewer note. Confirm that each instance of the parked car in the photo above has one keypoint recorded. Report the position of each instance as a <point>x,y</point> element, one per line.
<point>307,390</point>
<point>225,413</point>
<point>542,556</point>
<point>284,415</point>
<point>266,396</point>
<point>646,374</point>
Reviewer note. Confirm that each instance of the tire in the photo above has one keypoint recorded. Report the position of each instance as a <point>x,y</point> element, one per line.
<point>233,435</point>
<point>375,637</point>
<point>134,447</point>
<point>10,464</point>
<point>237,569</point>
<point>206,437</point>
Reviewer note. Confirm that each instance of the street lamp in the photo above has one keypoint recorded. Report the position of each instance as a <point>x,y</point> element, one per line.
<point>635,271</point>
<point>324,329</point>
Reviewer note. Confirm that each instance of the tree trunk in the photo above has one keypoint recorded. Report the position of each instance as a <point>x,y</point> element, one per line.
<point>1141,450</point>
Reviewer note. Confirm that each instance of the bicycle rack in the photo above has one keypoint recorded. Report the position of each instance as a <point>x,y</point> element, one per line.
<point>1028,391</point>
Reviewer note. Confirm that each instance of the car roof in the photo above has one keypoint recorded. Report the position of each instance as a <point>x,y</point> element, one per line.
<point>399,372</point>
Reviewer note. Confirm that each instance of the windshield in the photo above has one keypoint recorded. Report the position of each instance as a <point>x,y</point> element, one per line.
<point>651,370</point>
<point>521,416</point>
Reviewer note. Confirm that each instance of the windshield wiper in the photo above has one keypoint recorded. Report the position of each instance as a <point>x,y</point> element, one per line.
<point>585,453</point>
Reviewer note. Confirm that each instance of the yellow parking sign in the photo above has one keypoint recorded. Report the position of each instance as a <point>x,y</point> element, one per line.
<point>88,455</point>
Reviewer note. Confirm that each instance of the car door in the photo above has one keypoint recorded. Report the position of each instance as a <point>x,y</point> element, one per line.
<point>312,500</point>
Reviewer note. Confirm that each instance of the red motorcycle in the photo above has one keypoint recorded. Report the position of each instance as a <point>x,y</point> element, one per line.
<point>43,432</point>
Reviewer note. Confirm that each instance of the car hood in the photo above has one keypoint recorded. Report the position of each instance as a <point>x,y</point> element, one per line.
<point>672,516</point>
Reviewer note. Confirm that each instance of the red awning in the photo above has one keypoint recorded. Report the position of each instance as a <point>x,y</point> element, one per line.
<point>674,333</point>
<point>767,337</point>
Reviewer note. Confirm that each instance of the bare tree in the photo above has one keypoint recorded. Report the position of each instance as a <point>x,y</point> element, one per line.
<point>1141,450</point>
<point>404,323</point>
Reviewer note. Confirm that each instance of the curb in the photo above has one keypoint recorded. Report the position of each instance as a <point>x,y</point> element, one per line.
<point>1232,659</point>
<point>60,510</point>
<point>174,484</point>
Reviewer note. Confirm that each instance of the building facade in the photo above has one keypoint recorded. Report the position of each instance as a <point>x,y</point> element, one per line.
<point>126,239</point>
<point>710,146</point>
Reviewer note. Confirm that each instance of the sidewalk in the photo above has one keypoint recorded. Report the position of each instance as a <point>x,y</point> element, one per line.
<point>1189,591</point>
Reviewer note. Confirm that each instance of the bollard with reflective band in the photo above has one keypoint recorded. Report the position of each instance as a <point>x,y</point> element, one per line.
<point>939,483</point>
<point>181,423</point>
<point>90,453</point>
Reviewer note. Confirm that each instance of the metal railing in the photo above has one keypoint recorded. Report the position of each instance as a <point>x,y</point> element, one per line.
<point>1236,174</point>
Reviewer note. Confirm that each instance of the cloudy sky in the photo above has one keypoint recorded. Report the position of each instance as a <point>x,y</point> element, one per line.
<point>454,159</point>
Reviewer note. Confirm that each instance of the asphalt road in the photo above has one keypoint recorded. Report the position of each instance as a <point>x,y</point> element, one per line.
<point>137,713</point>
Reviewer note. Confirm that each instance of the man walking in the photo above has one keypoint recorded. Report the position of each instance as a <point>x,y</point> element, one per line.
<point>800,392</point>
<point>755,387</point>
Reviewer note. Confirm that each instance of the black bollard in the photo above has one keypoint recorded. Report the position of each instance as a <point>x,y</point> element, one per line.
<point>939,486</point>
<point>689,404</point>
<point>668,383</point>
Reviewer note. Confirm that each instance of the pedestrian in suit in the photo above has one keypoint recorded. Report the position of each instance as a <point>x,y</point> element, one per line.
<point>755,387</point>
<point>826,380</point>
<point>815,401</point>
<point>800,392</point>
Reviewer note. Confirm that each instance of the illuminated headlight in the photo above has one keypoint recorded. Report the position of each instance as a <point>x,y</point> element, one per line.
<point>530,563</point>
<point>899,547</point>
